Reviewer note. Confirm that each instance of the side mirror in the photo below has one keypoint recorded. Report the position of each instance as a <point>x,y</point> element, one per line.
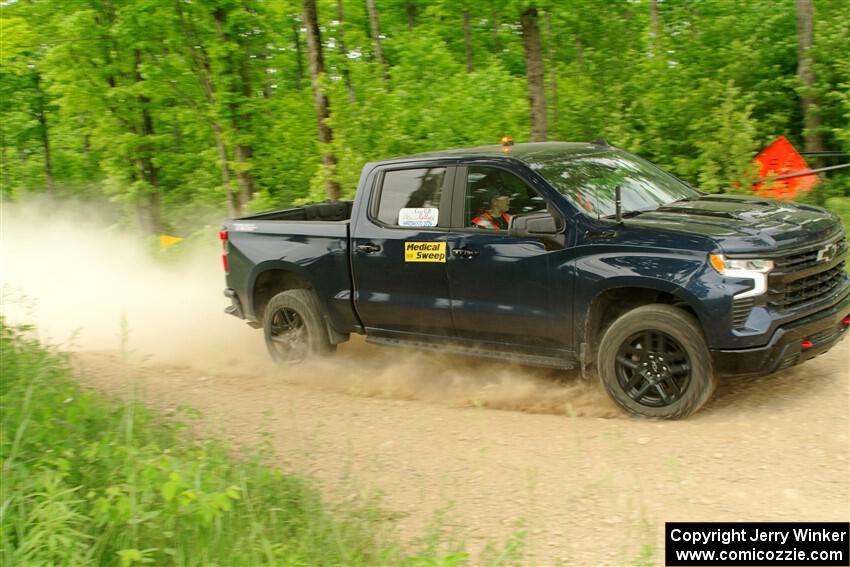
<point>534,225</point>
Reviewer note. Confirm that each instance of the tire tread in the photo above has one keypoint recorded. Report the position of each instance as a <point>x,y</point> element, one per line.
<point>682,326</point>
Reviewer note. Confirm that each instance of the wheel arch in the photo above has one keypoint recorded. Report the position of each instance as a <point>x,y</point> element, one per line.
<point>271,278</point>
<point>619,297</point>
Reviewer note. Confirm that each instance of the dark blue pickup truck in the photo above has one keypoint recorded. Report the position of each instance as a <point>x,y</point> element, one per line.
<point>556,254</point>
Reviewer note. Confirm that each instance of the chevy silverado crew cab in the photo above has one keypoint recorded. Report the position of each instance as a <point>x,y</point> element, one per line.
<point>605,262</point>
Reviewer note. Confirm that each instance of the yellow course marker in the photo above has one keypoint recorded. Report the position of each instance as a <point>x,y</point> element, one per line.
<point>166,241</point>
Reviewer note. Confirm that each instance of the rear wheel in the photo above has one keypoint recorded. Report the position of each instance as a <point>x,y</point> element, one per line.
<point>654,362</point>
<point>294,328</point>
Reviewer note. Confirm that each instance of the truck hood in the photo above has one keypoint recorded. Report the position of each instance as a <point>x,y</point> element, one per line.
<point>741,224</point>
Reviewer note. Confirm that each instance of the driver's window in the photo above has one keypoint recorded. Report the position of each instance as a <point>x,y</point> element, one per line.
<point>494,196</point>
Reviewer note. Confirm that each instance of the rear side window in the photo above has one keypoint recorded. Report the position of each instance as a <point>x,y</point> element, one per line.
<point>411,197</point>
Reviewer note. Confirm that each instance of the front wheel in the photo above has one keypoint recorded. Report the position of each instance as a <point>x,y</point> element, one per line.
<point>654,362</point>
<point>294,328</point>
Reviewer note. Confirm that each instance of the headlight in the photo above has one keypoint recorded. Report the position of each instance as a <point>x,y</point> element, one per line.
<point>726,265</point>
<point>749,268</point>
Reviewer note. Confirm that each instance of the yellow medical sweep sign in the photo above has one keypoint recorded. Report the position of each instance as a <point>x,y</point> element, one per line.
<point>425,252</point>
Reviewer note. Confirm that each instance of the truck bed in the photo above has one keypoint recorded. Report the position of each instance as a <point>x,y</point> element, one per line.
<point>312,239</point>
<point>327,212</point>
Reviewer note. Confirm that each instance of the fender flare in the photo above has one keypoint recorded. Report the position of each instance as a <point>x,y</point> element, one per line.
<point>635,282</point>
<point>266,266</point>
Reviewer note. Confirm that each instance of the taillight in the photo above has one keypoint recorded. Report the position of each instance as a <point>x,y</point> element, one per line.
<point>222,235</point>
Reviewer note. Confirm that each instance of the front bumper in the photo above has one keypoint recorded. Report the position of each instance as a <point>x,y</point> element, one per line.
<point>822,330</point>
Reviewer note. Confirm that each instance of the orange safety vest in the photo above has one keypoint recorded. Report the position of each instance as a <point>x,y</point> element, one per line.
<point>488,222</point>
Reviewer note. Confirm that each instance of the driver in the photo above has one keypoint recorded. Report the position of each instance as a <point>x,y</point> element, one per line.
<point>496,216</point>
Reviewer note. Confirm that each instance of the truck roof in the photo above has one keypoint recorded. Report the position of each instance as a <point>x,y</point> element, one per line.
<point>535,152</point>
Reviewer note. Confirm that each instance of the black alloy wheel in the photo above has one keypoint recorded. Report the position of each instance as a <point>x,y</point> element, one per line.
<point>653,369</point>
<point>294,327</point>
<point>654,362</point>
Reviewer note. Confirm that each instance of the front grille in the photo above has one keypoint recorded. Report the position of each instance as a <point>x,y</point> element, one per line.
<point>741,311</point>
<point>805,290</point>
<point>803,260</point>
<point>796,262</point>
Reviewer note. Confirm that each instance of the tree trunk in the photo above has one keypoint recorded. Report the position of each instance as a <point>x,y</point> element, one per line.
<point>41,116</point>
<point>410,8</point>
<point>467,41</point>
<point>109,13</point>
<point>317,69</point>
<point>809,103</point>
<point>579,51</point>
<point>375,26</point>
<point>221,148</point>
<point>553,76</point>
<point>266,58</point>
<point>240,119</point>
<point>244,152</point>
<point>48,163</point>
<point>298,55</point>
<point>655,30</point>
<point>203,73</point>
<point>140,164</point>
<point>497,44</point>
<point>148,205</point>
<point>243,177</point>
<point>86,139</point>
<point>534,72</point>
<point>346,74</point>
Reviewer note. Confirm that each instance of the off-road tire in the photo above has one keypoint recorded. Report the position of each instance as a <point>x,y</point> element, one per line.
<point>294,327</point>
<point>621,346</point>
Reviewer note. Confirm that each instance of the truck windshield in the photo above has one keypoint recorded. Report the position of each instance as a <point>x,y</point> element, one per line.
<point>590,181</point>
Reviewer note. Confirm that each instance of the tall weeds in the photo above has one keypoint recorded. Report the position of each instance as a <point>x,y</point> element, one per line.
<point>88,481</point>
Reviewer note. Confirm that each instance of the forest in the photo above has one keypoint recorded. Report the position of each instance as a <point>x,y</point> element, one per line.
<point>175,110</point>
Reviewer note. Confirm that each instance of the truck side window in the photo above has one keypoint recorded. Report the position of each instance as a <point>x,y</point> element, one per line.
<point>409,188</point>
<point>494,195</point>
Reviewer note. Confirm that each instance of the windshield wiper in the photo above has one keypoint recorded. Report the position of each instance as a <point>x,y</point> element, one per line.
<point>682,200</point>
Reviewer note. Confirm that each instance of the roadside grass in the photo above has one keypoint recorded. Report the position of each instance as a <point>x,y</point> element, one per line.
<point>87,481</point>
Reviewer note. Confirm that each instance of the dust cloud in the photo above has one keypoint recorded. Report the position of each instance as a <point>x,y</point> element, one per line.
<point>86,284</point>
<point>89,286</point>
<point>395,373</point>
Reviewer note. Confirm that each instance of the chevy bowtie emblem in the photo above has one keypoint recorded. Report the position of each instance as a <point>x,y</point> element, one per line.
<point>827,253</point>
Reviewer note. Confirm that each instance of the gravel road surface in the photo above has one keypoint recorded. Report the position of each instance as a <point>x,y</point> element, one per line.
<point>496,450</point>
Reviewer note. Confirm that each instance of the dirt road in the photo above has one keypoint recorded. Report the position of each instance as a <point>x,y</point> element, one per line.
<point>499,449</point>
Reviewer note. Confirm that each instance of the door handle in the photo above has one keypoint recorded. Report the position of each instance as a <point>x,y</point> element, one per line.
<point>465,252</point>
<point>368,248</point>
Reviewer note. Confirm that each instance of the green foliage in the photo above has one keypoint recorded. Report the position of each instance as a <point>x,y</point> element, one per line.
<point>646,558</point>
<point>725,139</point>
<point>188,106</point>
<point>840,206</point>
<point>89,482</point>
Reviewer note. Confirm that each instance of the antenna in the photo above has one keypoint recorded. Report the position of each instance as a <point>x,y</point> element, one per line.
<point>617,204</point>
<point>601,142</point>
